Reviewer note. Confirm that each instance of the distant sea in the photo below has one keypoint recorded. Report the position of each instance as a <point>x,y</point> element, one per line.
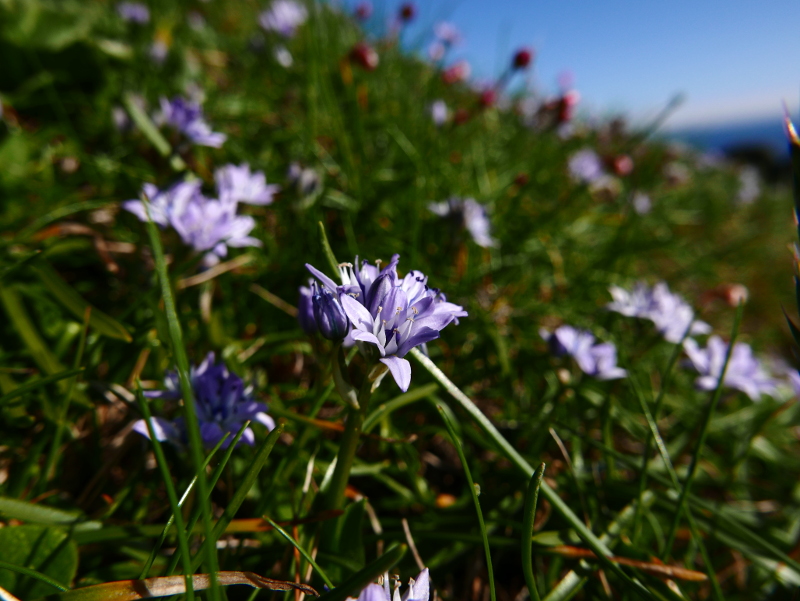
<point>762,132</point>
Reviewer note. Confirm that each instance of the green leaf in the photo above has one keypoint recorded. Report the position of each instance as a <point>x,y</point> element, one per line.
<point>46,24</point>
<point>356,582</point>
<point>347,540</point>
<point>37,383</point>
<point>37,514</point>
<point>327,250</point>
<point>46,549</point>
<point>531,497</point>
<point>75,304</point>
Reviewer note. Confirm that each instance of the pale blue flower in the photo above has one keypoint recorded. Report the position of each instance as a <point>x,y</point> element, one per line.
<point>585,166</point>
<point>470,214</point>
<point>134,12</point>
<point>238,184</point>
<point>419,589</point>
<point>597,360</point>
<point>283,17</point>
<point>187,117</point>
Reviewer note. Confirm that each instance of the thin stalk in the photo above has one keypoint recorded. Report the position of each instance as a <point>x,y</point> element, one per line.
<point>531,497</point>
<point>302,551</point>
<point>4,565</point>
<point>333,498</point>
<point>475,500</point>
<point>702,439</point>
<point>192,423</point>
<point>183,541</point>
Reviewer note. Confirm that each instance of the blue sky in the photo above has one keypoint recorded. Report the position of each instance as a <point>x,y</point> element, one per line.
<point>732,59</point>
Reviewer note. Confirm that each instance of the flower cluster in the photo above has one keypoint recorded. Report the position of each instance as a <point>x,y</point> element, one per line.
<point>208,225</point>
<point>672,315</point>
<point>597,360</point>
<point>446,36</point>
<point>470,214</point>
<point>585,166</point>
<point>222,403</point>
<point>744,371</point>
<point>283,17</point>
<point>187,117</point>
<point>419,589</point>
<point>134,12</point>
<point>379,310</point>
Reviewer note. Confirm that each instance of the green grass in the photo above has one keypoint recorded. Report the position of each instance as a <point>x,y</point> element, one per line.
<point>656,468</point>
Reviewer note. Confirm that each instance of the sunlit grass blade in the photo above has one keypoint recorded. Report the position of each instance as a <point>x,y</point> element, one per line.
<point>356,582</point>
<point>520,463</point>
<point>183,540</point>
<point>306,555</point>
<point>4,565</point>
<point>327,250</point>
<point>710,408</point>
<point>190,412</point>
<point>475,500</point>
<point>396,403</point>
<point>531,497</point>
<point>167,586</point>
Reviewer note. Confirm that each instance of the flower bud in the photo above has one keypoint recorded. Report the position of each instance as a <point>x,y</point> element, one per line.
<point>363,11</point>
<point>305,311</point>
<point>365,56</point>
<point>407,12</point>
<point>329,314</point>
<point>522,58</point>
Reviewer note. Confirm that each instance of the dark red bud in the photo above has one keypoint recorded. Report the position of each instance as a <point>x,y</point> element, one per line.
<point>523,58</point>
<point>365,56</point>
<point>488,98</point>
<point>408,11</point>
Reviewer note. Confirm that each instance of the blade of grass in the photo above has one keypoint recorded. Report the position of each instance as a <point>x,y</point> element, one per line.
<point>712,405</point>
<point>4,565</point>
<point>192,423</point>
<point>302,551</point>
<point>591,540</point>
<point>31,386</point>
<point>183,540</point>
<point>149,563</point>
<point>21,263</point>
<point>531,497</point>
<point>475,500</point>
<point>241,493</point>
<point>327,250</point>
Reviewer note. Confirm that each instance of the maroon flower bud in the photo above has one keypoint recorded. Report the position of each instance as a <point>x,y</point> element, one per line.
<point>408,11</point>
<point>364,55</point>
<point>523,58</point>
<point>461,116</point>
<point>363,11</point>
<point>458,72</point>
<point>488,98</point>
<point>622,164</point>
<point>521,179</point>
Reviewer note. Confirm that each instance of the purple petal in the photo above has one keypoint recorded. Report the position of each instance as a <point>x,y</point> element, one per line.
<point>418,336</point>
<point>368,337</point>
<point>401,371</point>
<point>163,429</point>
<point>357,313</point>
<point>329,283</point>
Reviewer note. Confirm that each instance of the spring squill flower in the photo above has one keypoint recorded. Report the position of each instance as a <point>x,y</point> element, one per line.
<point>390,315</point>
<point>744,372</point>
<point>585,166</point>
<point>187,117</point>
<point>222,403</point>
<point>418,590</point>
<point>439,112</point>
<point>134,12</point>
<point>470,214</point>
<point>597,360</point>
<point>283,17</point>
<point>239,184</point>
<point>668,311</point>
<point>163,202</point>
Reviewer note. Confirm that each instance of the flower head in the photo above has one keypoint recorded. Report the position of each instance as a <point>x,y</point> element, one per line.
<point>418,590</point>
<point>363,11</point>
<point>470,214</point>
<point>222,403</point>
<point>187,117</point>
<point>744,371</point>
<point>134,12</point>
<point>668,311</point>
<point>163,203</point>
<point>459,71</point>
<point>329,315</point>
<point>407,12</point>
<point>238,184</point>
<point>306,180</point>
<point>365,56</point>
<point>585,166</point>
<point>439,112</point>
<point>522,58</point>
<point>597,360</point>
<point>390,313</point>
<point>283,17</point>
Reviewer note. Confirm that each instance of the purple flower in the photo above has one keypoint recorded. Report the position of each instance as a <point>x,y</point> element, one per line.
<point>134,12</point>
<point>470,214</point>
<point>363,11</point>
<point>306,180</point>
<point>329,315</point>
<point>187,117</point>
<point>158,51</point>
<point>283,17</point>
<point>163,203</point>
<point>305,309</point>
<point>744,371</point>
<point>641,203</point>
<point>391,313</point>
<point>585,166</point>
<point>418,590</point>
<point>206,224</point>
<point>237,184</point>
<point>597,360</point>
<point>439,112</point>
<point>447,33</point>
<point>222,403</point>
<point>668,311</point>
